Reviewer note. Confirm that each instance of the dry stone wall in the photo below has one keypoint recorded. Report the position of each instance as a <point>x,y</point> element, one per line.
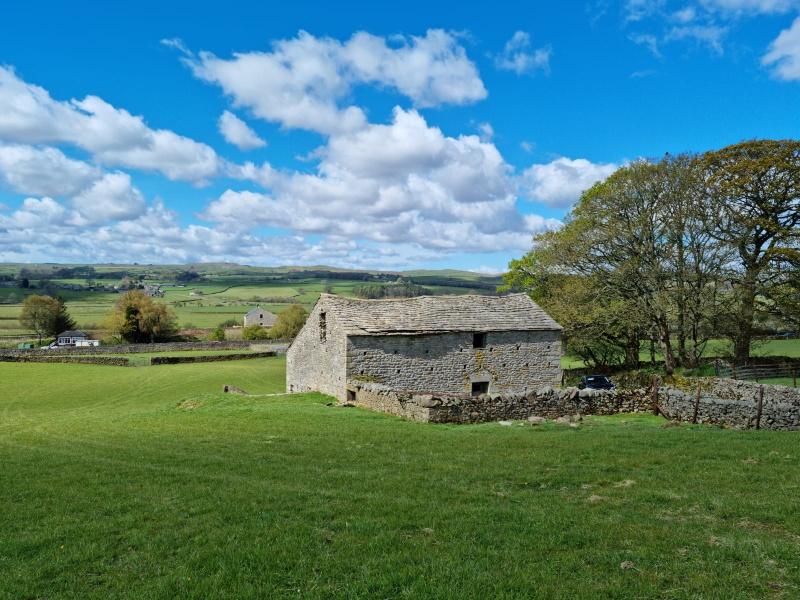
<point>733,403</point>
<point>545,402</point>
<point>722,402</point>
<point>511,361</point>
<point>132,348</point>
<point>115,361</point>
<point>174,360</point>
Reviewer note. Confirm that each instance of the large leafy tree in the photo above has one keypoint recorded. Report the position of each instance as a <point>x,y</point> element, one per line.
<point>599,324</point>
<point>633,261</point>
<point>755,190</point>
<point>136,318</point>
<point>289,322</point>
<point>45,315</point>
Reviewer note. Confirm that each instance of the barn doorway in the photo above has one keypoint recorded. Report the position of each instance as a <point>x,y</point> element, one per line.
<point>480,387</point>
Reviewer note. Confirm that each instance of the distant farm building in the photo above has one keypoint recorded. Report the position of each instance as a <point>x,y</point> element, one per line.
<point>75,338</point>
<point>459,344</point>
<point>154,291</point>
<point>259,316</point>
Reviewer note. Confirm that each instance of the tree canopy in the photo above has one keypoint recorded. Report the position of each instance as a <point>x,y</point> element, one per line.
<point>137,318</point>
<point>675,251</point>
<point>45,315</point>
<point>289,322</point>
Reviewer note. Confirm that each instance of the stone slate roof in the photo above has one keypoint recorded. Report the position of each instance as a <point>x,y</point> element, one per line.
<point>433,314</point>
<point>74,333</point>
<point>257,311</point>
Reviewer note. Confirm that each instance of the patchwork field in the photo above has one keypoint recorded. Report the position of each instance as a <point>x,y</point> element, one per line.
<point>150,483</point>
<point>220,295</point>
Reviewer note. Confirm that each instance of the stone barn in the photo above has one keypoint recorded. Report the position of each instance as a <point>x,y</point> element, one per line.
<point>259,316</point>
<point>455,344</point>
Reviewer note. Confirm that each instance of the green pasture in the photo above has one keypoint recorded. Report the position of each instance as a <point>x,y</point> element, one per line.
<point>203,304</point>
<point>721,348</point>
<point>130,483</point>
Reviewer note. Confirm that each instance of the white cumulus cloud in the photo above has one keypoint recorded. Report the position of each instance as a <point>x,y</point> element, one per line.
<point>751,6</point>
<point>28,114</point>
<point>519,56</point>
<point>783,55</point>
<point>43,171</point>
<point>111,198</point>
<point>404,182</point>
<point>301,82</point>
<point>562,181</point>
<point>238,133</point>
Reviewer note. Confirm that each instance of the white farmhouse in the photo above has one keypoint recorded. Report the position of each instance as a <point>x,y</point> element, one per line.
<point>75,338</point>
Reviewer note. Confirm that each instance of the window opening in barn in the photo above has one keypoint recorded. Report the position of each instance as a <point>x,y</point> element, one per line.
<point>478,340</point>
<point>480,387</point>
<point>323,327</point>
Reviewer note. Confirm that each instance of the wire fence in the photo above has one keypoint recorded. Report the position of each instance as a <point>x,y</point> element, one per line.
<point>779,374</point>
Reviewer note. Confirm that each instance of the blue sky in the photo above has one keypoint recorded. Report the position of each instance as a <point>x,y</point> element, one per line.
<point>361,134</point>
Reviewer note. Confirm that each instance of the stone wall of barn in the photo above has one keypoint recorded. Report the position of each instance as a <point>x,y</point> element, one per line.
<point>314,364</point>
<point>447,362</point>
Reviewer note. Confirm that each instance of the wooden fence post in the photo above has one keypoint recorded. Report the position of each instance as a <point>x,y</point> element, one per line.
<point>759,406</point>
<point>794,377</point>
<point>696,403</point>
<point>733,370</point>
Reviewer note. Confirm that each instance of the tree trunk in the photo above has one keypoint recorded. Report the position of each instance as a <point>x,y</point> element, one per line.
<point>744,320</point>
<point>632,351</point>
<point>694,357</point>
<point>681,275</point>
<point>682,355</point>
<point>666,344</point>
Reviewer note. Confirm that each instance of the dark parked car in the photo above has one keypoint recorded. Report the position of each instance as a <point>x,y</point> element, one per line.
<point>595,382</point>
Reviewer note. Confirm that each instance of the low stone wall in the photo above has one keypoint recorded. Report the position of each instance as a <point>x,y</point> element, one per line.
<point>115,361</point>
<point>723,402</point>
<point>455,408</point>
<point>133,348</point>
<point>174,360</point>
<point>733,403</point>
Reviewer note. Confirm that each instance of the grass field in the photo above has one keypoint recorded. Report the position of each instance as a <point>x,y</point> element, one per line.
<point>222,294</point>
<point>714,348</point>
<point>150,483</point>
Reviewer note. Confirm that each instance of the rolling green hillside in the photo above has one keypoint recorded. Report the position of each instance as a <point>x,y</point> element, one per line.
<point>148,482</point>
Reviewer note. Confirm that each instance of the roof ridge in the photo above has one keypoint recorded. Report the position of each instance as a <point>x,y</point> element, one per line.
<point>406,299</point>
<point>431,314</point>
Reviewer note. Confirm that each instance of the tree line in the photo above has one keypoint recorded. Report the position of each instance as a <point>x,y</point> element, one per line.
<point>137,318</point>
<point>399,289</point>
<point>675,252</point>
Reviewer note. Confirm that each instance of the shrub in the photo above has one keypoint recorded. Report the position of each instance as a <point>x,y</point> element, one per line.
<point>255,332</point>
<point>218,335</point>
<point>289,323</point>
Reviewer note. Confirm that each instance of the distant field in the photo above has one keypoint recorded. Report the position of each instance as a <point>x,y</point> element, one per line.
<point>790,348</point>
<point>117,484</point>
<point>143,358</point>
<point>220,296</point>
